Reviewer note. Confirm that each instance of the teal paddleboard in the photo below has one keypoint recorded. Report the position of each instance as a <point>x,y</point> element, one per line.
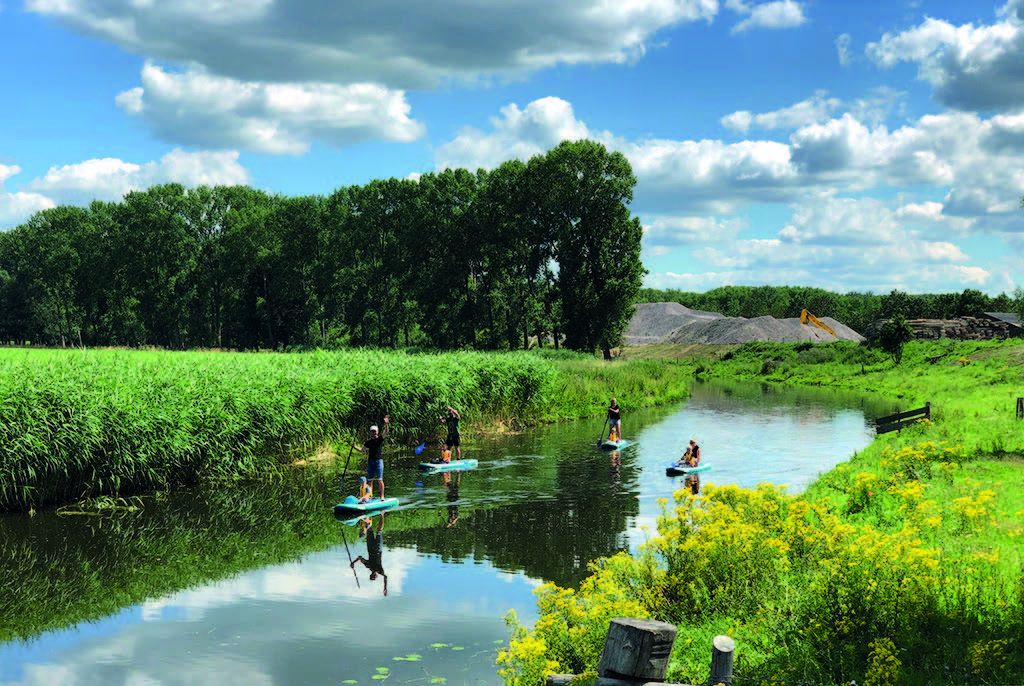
<point>677,470</point>
<point>614,445</point>
<point>351,507</point>
<point>447,466</point>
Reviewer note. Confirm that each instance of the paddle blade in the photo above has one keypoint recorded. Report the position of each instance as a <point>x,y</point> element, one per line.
<point>419,448</point>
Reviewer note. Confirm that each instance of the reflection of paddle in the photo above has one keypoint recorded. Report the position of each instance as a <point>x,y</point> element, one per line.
<point>345,538</point>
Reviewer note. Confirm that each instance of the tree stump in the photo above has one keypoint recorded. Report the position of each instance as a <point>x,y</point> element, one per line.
<point>636,649</point>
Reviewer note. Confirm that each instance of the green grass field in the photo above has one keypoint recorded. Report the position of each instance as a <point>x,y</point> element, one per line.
<point>900,566</point>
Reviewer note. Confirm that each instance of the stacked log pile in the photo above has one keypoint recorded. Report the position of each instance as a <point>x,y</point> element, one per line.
<point>962,328</point>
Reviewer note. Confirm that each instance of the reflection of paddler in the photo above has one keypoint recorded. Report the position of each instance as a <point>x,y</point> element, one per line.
<point>692,481</point>
<point>374,549</point>
<point>452,497</point>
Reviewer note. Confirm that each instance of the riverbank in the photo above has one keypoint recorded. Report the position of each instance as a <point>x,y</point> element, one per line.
<point>81,424</point>
<point>900,566</point>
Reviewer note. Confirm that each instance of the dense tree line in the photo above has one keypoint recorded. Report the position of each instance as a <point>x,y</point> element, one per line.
<point>488,260</point>
<point>855,310</point>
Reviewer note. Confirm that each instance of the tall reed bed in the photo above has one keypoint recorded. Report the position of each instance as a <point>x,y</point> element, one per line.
<point>76,424</point>
<point>586,384</point>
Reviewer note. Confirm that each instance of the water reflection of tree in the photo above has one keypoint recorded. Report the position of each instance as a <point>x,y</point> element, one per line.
<point>82,563</point>
<point>552,536</point>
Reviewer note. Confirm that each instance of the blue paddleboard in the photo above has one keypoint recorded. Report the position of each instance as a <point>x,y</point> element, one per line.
<point>614,445</point>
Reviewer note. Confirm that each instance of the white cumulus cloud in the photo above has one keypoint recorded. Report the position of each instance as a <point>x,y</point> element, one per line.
<point>970,68</point>
<point>813,110</point>
<point>15,208</point>
<point>516,134</point>
<point>110,179</point>
<point>198,109</point>
<point>396,43</point>
<point>780,14</point>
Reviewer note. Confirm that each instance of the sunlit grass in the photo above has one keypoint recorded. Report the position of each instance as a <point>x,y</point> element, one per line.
<point>900,566</point>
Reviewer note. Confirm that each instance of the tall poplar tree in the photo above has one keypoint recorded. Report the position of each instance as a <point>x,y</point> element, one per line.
<point>586,193</point>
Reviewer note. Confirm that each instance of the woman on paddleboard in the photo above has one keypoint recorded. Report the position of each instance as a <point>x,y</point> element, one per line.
<point>614,423</point>
<point>694,451</point>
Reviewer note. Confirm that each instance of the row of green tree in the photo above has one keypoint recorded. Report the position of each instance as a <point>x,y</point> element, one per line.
<point>856,310</point>
<point>449,260</point>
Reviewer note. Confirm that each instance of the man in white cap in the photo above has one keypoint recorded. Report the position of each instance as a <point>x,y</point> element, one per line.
<point>375,459</point>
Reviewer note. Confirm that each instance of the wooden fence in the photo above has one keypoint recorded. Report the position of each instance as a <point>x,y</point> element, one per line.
<point>636,653</point>
<point>895,422</point>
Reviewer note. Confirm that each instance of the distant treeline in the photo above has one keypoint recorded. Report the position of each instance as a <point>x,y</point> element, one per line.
<point>855,310</point>
<point>546,248</point>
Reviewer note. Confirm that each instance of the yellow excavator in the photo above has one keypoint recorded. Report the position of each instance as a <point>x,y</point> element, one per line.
<point>808,318</point>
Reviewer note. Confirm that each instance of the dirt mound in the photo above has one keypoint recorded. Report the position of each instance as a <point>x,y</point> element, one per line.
<point>673,323</point>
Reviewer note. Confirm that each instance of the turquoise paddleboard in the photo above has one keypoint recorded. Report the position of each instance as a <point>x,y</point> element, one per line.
<point>614,445</point>
<point>351,507</point>
<point>447,466</point>
<point>676,470</point>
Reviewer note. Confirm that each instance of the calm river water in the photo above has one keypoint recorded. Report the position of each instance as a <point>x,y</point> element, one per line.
<point>256,585</point>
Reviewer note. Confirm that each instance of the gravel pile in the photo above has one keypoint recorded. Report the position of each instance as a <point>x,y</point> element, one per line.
<point>653,321</point>
<point>673,323</point>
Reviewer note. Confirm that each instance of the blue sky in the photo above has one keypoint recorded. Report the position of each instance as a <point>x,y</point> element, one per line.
<point>851,146</point>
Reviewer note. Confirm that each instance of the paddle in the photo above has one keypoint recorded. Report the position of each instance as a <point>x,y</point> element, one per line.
<point>341,484</point>
<point>600,439</point>
<point>419,448</point>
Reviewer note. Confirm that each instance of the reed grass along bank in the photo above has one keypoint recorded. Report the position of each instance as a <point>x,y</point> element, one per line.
<point>79,424</point>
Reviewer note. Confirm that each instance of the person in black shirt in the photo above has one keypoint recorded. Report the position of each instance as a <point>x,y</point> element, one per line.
<point>614,424</point>
<point>374,446</point>
<point>454,439</point>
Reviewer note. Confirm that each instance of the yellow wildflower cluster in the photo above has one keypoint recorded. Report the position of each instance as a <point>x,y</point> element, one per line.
<point>917,461</point>
<point>525,663</point>
<point>883,665</point>
<point>988,658</point>
<point>974,511</point>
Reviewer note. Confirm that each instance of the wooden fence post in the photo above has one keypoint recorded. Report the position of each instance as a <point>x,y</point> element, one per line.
<point>636,653</point>
<point>636,649</point>
<point>721,661</point>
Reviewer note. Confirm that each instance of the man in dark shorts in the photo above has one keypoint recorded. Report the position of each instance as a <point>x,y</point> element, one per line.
<point>454,439</point>
<point>374,446</point>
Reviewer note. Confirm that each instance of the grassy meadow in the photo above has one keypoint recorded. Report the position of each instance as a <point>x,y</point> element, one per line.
<point>80,424</point>
<point>900,566</point>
